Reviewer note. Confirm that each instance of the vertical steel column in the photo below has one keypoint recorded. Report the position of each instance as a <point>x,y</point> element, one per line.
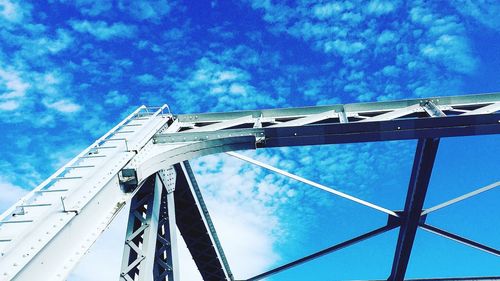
<point>166,266</point>
<point>150,251</point>
<point>410,217</point>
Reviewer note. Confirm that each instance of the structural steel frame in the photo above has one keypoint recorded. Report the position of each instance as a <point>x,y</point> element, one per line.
<point>143,163</point>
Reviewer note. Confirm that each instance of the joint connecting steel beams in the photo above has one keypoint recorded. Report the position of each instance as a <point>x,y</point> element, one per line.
<point>142,162</point>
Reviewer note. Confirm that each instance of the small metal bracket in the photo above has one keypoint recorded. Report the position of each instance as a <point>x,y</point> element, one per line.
<point>64,207</point>
<point>258,122</point>
<point>128,180</point>
<point>395,221</point>
<point>168,177</point>
<point>19,211</point>
<point>432,109</point>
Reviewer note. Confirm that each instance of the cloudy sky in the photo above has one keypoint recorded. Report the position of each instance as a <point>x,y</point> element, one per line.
<point>69,70</point>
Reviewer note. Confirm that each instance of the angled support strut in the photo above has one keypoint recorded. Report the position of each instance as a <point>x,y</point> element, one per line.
<point>392,223</point>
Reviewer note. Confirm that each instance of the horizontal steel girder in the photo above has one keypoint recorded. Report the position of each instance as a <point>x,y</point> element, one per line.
<point>400,129</point>
<point>467,101</point>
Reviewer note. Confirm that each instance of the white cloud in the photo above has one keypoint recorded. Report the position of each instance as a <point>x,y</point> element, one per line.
<point>58,44</point>
<point>451,50</point>
<point>152,11</point>
<point>344,47</point>
<point>353,18</point>
<point>103,31</point>
<point>243,236</point>
<point>116,99</point>
<point>63,106</point>
<point>11,11</point>
<point>93,8</point>
<point>381,7</point>
<point>13,83</point>
<point>391,70</point>
<point>421,46</point>
<point>227,75</point>
<point>10,194</point>
<point>12,89</point>
<point>387,37</point>
<point>9,105</point>
<point>486,12</point>
<point>243,208</point>
<point>217,84</point>
<point>323,11</point>
<point>237,89</point>
<point>147,79</point>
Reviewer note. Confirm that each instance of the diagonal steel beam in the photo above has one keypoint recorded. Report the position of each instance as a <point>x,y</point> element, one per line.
<point>311,183</point>
<point>419,181</point>
<point>391,224</point>
<point>197,228</point>
<point>460,239</point>
<point>308,119</point>
<point>394,114</point>
<point>461,198</point>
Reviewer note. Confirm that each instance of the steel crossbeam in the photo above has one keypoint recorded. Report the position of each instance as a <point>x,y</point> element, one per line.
<point>133,164</point>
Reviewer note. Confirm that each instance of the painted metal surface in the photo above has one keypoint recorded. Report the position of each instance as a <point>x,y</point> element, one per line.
<point>64,215</point>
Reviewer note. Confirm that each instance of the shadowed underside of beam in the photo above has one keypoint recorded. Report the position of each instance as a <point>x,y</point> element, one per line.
<point>196,228</point>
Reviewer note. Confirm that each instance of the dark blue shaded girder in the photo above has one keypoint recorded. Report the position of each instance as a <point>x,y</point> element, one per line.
<point>353,132</point>
<point>460,239</point>
<point>196,227</point>
<point>410,217</point>
<point>391,224</point>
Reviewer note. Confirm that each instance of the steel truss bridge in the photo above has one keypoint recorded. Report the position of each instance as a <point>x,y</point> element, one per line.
<point>142,165</point>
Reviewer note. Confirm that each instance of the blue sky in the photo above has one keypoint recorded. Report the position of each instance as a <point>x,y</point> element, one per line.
<point>69,70</point>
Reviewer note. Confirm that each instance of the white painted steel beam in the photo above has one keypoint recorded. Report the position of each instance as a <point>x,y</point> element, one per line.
<point>461,198</point>
<point>308,119</point>
<point>492,108</point>
<point>311,183</point>
<point>395,113</point>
